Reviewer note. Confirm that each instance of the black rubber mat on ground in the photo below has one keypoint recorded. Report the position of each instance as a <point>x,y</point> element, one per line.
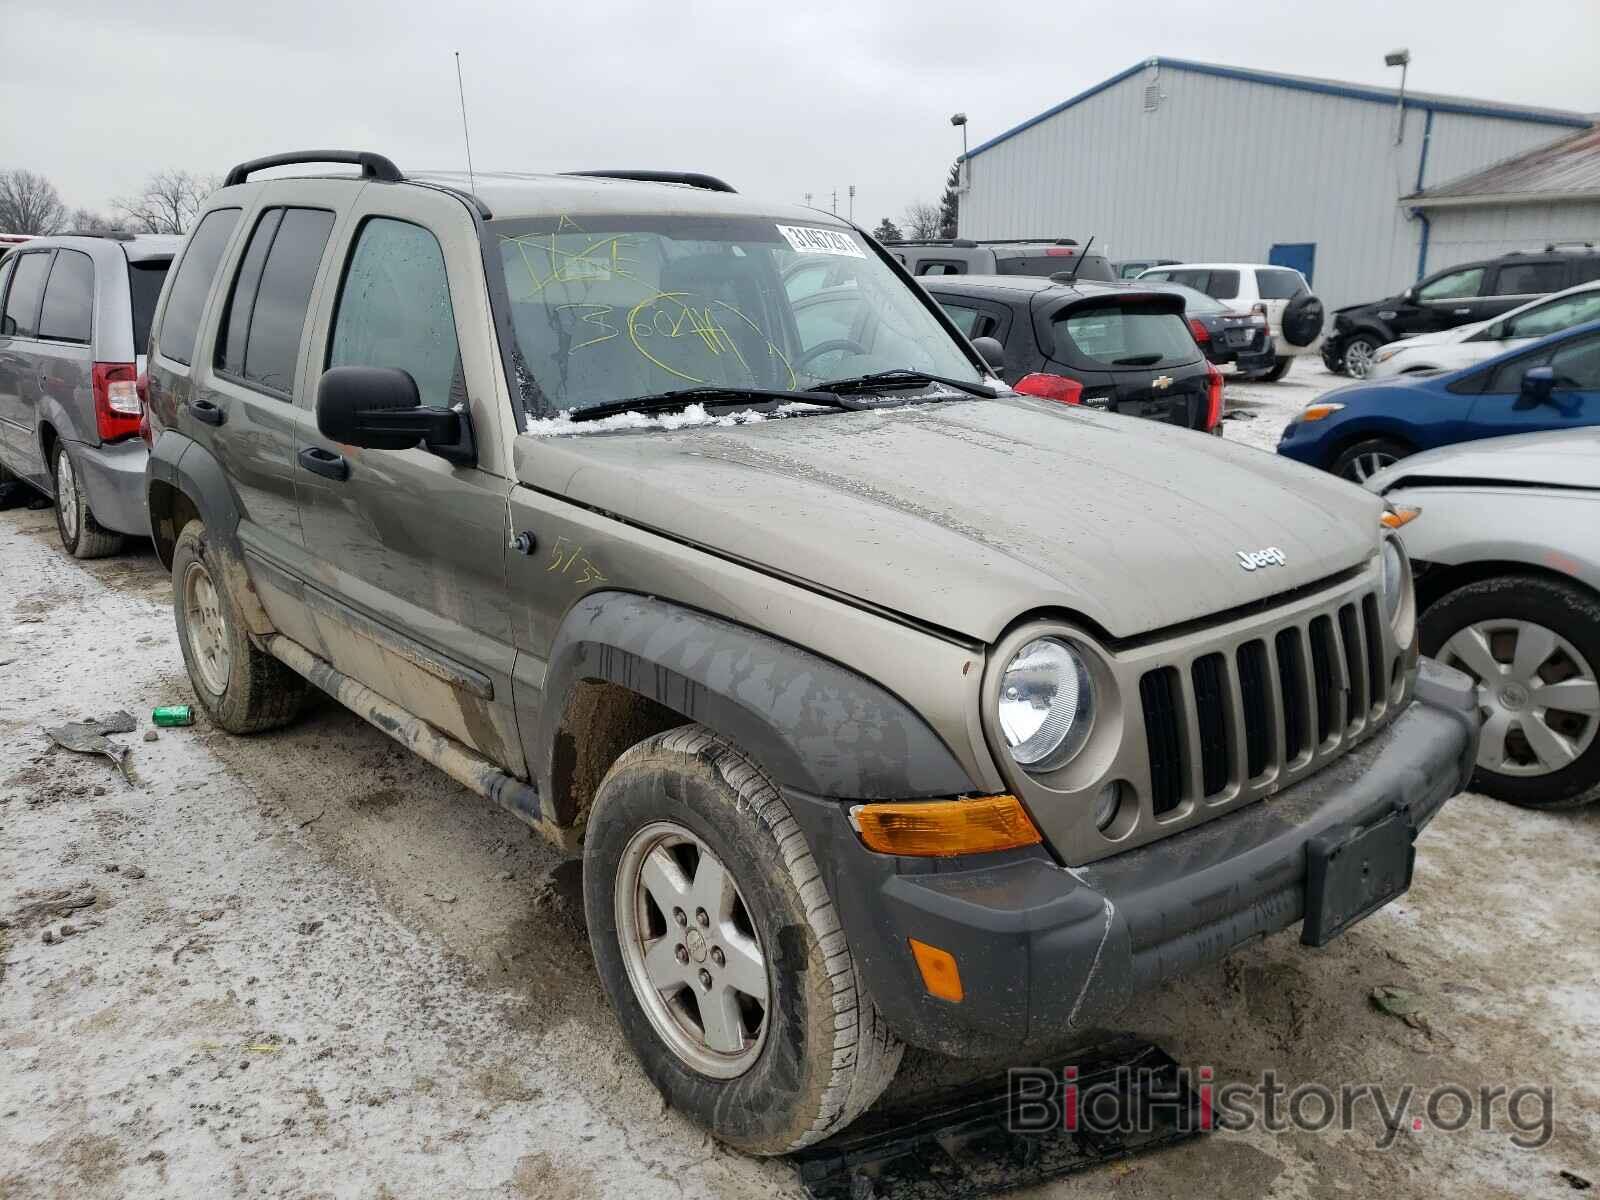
<point>1131,1098</point>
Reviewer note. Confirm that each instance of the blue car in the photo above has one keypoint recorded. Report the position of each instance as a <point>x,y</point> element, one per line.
<point>1356,431</point>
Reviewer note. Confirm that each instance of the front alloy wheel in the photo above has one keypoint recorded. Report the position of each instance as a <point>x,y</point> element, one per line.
<point>1360,354</point>
<point>209,643</point>
<point>691,950</point>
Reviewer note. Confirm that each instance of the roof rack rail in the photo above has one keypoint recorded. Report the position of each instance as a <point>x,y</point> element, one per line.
<point>373,166</point>
<point>689,178</point>
<point>114,235</point>
<point>1550,247</point>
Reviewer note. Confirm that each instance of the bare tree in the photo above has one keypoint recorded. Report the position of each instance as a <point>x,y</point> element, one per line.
<point>923,221</point>
<point>84,220</point>
<point>168,202</point>
<point>29,203</point>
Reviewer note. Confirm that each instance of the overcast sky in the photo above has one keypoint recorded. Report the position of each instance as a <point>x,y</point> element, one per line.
<point>779,99</point>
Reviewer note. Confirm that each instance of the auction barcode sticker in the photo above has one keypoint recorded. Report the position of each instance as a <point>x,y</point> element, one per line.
<point>821,241</point>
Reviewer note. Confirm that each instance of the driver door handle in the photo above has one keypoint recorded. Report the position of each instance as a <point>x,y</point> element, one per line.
<point>1463,312</point>
<point>204,410</point>
<point>325,463</point>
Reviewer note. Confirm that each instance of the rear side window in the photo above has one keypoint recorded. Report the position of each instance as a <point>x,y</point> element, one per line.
<point>1133,336</point>
<point>144,289</point>
<point>1091,267</point>
<point>21,317</point>
<point>1278,285</point>
<point>966,319</point>
<point>180,324</point>
<point>5,278</point>
<point>1222,285</point>
<point>1586,269</point>
<point>1530,279</point>
<point>266,313</point>
<point>939,267</point>
<point>394,310</point>
<point>68,312</point>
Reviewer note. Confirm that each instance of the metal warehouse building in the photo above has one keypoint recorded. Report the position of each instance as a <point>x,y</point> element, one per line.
<point>1194,161</point>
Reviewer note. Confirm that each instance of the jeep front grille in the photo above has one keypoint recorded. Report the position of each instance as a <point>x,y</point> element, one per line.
<point>1270,705</point>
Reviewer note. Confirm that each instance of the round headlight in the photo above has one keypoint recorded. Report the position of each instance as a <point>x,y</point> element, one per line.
<point>1393,586</point>
<point>1046,705</point>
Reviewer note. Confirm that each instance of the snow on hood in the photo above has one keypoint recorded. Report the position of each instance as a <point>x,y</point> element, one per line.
<point>684,418</point>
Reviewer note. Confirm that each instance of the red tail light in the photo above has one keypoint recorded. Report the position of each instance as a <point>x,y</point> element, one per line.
<point>117,409</point>
<point>1213,398</point>
<point>1051,387</point>
<point>1202,335</point>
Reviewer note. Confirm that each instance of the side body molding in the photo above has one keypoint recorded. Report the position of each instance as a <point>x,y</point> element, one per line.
<point>808,721</point>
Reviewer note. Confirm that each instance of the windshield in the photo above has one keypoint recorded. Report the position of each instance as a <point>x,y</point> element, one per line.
<point>608,308</point>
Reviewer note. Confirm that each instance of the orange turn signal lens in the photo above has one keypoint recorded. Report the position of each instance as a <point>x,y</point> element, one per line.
<point>941,828</point>
<point>940,975</point>
<point>1315,412</point>
<point>1393,518</point>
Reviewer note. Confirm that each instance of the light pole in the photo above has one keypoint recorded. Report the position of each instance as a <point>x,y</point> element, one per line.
<point>852,202</point>
<point>963,174</point>
<point>1399,58</point>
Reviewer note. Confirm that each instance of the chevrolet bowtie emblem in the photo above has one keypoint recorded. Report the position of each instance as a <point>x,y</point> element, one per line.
<point>1161,382</point>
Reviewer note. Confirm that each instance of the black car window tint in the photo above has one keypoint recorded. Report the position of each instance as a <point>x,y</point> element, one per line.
<point>202,255</point>
<point>234,330</point>
<point>1577,364</point>
<point>144,289</point>
<point>6,266</point>
<point>1529,279</point>
<point>27,289</point>
<point>277,322</point>
<point>68,312</point>
<point>395,311</point>
<point>1281,284</point>
<point>1222,285</point>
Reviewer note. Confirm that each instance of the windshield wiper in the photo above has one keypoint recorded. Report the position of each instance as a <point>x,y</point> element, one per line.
<point>1137,360</point>
<point>683,397</point>
<point>905,377</point>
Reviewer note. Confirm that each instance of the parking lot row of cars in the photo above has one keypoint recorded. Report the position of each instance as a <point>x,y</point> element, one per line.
<point>893,686</point>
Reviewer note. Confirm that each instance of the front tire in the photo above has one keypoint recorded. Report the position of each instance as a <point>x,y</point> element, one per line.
<point>81,535</point>
<point>1366,458</point>
<point>1359,354</point>
<point>242,689</point>
<point>1532,644</point>
<point>721,952</point>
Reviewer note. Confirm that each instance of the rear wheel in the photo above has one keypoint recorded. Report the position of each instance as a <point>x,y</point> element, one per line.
<point>1280,368</point>
<point>1360,462</point>
<point>721,952</point>
<point>1533,646</point>
<point>1359,353</point>
<point>81,534</point>
<point>242,689</point>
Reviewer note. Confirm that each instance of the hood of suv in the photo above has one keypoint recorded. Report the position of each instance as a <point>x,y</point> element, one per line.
<point>967,514</point>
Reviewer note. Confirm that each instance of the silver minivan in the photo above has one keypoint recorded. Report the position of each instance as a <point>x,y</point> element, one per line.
<point>74,319</point>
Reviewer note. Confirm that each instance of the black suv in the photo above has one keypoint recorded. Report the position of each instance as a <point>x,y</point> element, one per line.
<point>1459,295</point>
<point>1110,346</point>
<point>1007,256</point>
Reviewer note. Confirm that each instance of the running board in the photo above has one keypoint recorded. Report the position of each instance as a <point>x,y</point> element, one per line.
<point>1126,1097</point>
<point>465,766</point>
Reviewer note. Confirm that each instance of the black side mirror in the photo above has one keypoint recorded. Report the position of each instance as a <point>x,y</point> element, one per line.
<point>1409,295</point>
<point>378,408</point>
<point>991,351</point>
<point>1538,386</point>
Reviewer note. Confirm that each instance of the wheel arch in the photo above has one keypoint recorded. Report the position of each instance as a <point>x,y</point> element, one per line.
<point>623,667</point>
<point>1438,580</point>
<point>1368,430</point>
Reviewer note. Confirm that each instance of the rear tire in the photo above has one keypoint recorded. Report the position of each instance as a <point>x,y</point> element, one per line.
<point>81,535</point>
<point>1366,458</point>
<point>1548,756</point>
<point>242,689</point>
<point>1279,369</point>
<point>676,814</point>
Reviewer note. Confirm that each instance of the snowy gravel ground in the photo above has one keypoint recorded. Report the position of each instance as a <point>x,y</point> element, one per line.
<point>1254,414</point>
<point>309,965</point>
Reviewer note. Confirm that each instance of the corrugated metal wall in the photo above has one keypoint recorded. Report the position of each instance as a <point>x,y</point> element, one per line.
<point>1224,168</point>
<point>1460,234</point>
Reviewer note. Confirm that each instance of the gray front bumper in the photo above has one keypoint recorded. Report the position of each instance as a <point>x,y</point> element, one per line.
<point>1046,949</point>
<point>112,477</point>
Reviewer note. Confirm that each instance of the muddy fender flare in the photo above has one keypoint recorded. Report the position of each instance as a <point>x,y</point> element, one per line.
<point>811,723</point>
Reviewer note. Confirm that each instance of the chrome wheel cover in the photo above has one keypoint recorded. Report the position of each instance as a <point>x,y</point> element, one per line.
<point>67,496</point>
<point>1358,356</point>
<point>1539,697</point>
<point>691,950</point>
<point>1365,466</point>
<point>206,629</point>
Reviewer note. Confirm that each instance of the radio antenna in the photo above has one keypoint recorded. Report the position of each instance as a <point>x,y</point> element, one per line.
<point>461,92</point>
<point>1079,264</point>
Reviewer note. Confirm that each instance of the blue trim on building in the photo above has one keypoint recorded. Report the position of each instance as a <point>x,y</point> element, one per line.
<point>1422,159</point>
<point>1344,91</point>
<point>1427,223</point>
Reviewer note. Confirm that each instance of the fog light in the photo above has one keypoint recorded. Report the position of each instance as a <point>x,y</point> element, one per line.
<point>1107,804</point>
<point>940,975</point>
